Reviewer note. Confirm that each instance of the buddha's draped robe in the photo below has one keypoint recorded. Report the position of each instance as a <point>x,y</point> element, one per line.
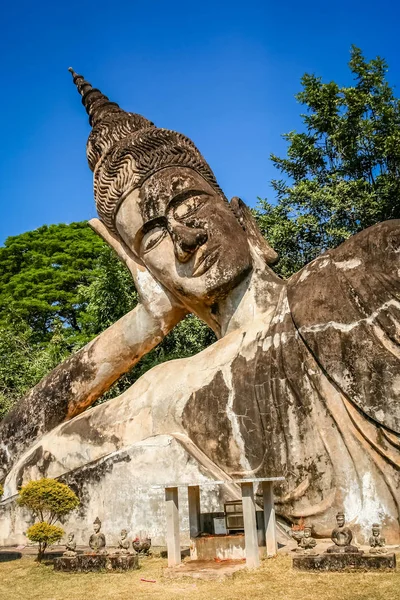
<point>317,393</point>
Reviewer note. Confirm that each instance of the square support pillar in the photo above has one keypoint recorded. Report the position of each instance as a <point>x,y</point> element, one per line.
<point>269,518</point>
<point>173,536</point>
<point>194,510</point>
<point>250,526</point>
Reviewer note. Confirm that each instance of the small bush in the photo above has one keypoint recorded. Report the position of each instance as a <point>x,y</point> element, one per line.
<point>48,500</point>
<point>45,535</point>
<point>1,490</point>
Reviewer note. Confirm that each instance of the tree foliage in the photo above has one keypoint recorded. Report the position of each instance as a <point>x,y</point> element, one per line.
<point>45,535</point>
<point>24,361</point>
<point>40,273</point>
<point>342,173</point>
<point>49,501</point>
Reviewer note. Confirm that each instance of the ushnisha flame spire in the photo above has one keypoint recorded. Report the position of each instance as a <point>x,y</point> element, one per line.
<point>97,105</point>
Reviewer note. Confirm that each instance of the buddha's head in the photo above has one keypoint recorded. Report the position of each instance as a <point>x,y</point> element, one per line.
<point>307,532</point>
<point>376,529</point>
<point>154,190</point>
<point>97,525</point>
<point>124,534</point>
<point>71,537</point>
<point>340,519</point>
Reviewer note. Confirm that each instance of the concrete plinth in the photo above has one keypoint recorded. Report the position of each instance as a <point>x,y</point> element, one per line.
<point>220,547</point>
<point>356,561</point>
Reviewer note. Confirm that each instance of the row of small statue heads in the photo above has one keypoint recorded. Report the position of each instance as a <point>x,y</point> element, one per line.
<point>97,543</point>
<point>342,537</point>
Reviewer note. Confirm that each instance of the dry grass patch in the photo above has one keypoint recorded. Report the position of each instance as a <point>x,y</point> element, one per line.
<point>275,580</point>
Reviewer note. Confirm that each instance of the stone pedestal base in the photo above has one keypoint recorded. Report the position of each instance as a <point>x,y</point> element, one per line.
<point>86,563</point>
<point>345,561</point>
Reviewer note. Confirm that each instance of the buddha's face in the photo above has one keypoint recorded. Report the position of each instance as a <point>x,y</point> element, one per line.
<point>96,527</point>
<point>123,534</point>
<point>186,235</point>
<point>375,531</point>
<point>70,537</point>
<point>307,533</point>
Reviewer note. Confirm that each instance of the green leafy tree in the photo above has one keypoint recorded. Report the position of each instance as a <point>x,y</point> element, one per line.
<point>40,273</point>
<point>24,361</point>
<point>1,490</point>
<point>49,501</point>
<point>342,173</point>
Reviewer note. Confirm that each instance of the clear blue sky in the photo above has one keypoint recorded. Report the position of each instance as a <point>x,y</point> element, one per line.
<point>222,72</point>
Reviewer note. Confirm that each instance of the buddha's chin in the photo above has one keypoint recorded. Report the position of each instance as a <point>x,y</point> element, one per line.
<point>211,287</point>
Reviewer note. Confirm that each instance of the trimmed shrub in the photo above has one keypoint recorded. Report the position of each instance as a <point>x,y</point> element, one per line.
<point>45,535</point>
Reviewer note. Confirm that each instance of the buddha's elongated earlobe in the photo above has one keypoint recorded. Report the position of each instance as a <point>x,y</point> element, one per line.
<point>248,222</point>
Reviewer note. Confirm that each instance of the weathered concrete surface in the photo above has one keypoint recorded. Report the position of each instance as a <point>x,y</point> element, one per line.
<point>117,488</point>
<point>205,569</point>
<point>221,547</point>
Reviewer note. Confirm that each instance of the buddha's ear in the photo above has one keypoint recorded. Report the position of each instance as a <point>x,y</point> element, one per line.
<point>248,222</point>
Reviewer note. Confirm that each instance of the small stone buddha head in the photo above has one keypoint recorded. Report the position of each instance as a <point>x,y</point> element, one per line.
<point>340,519</point>
<point>71,537</point>
<point>376,529</point>
<point>96,525</point>
<point>157,194</point>
<point>123,534</point>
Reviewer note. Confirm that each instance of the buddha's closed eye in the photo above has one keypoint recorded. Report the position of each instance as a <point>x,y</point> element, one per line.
<point>152,238</point>
<point>188,207</point>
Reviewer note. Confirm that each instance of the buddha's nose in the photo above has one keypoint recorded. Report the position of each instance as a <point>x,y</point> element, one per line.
<point>187,240</point>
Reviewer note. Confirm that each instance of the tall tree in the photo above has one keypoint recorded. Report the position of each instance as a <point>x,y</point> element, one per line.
<point>342,173</point>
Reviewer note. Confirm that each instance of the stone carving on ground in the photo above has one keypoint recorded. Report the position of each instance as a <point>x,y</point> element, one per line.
<point>70,546</point>
<point>306,543</point>
<point>302,382</point>
<point>342,537</point>
<point>123,543</point>
<point>97,540</point>
<point>376,541</point>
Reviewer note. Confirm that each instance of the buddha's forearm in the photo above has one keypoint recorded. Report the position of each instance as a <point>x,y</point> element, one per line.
<point>83,377</point>
<point>116,351</point>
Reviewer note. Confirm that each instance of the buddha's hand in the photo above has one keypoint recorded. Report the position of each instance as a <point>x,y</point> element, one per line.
<point>158,301</point>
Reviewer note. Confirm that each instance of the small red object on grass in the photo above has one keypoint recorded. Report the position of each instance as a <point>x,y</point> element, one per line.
<point>148,580</point>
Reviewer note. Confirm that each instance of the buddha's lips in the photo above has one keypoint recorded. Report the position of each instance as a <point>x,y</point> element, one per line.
<point>203,261</point>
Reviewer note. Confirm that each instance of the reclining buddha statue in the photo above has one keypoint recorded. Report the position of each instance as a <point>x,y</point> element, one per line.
<point>303,381</point>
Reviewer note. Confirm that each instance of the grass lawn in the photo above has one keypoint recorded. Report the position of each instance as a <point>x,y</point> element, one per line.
<point>275,580</point>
